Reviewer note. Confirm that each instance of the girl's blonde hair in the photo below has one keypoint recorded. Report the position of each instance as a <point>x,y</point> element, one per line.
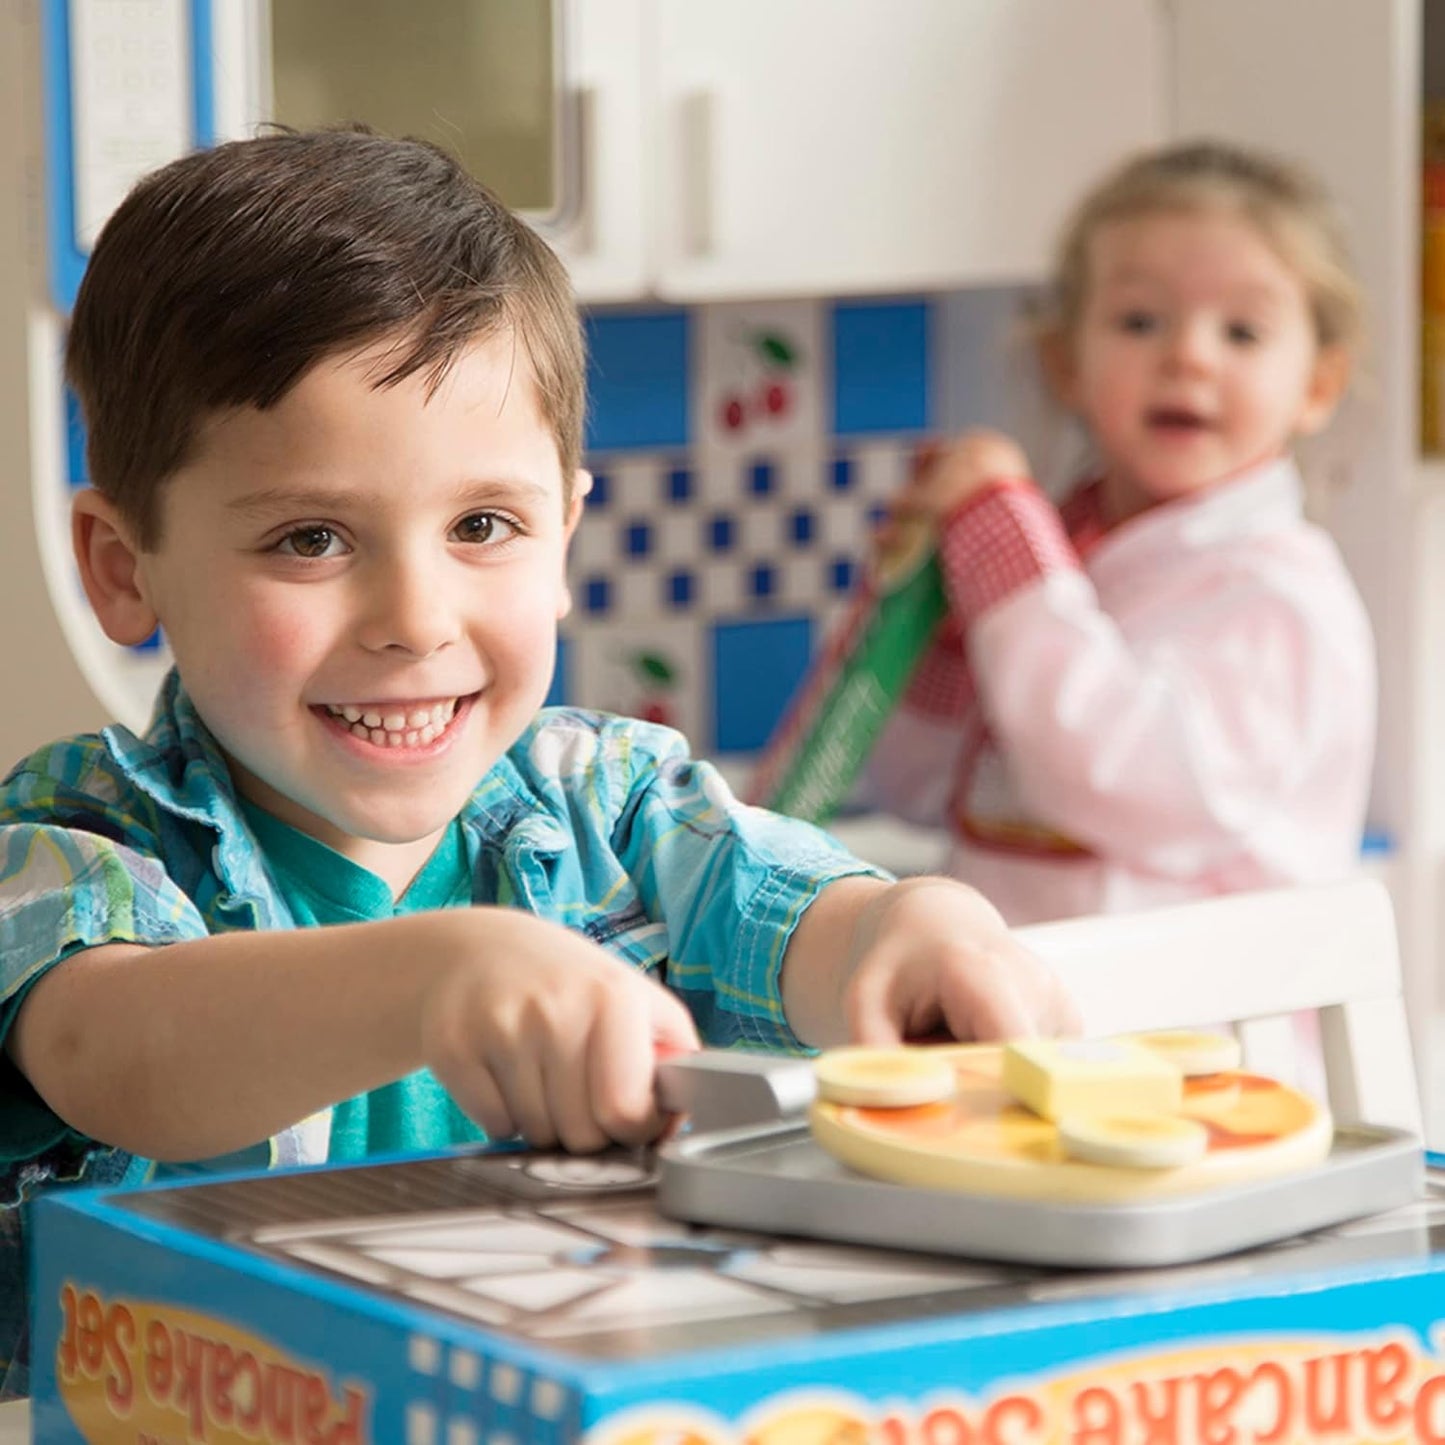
<point>1284,202</point>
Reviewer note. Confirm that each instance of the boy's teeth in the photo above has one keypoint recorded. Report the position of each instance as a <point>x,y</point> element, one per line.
<point>409,728</point>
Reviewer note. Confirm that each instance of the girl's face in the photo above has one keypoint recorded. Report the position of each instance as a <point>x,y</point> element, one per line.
<point>1195,355</point>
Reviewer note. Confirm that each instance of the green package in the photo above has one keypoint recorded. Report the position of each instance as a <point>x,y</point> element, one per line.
<point>812,761</point>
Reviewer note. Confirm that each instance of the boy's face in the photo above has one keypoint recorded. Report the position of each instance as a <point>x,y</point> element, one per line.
<point>1195,356</point>
<point>362,588</point>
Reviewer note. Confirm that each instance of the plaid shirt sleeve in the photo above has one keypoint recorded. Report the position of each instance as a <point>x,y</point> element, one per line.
<point>668,870</point>
<point>76,871</point>
<point>728,881</point>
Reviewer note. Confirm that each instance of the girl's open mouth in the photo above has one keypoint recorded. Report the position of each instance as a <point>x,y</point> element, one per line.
<point>1168,418</point>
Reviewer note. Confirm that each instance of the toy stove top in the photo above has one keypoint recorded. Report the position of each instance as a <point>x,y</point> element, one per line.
<point>571,1253</point>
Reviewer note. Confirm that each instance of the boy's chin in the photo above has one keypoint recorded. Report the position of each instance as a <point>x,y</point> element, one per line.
<point>391,830</point>
<point>344,825</point>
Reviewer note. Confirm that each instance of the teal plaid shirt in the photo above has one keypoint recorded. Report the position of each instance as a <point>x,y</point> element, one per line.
<point>599,823</point>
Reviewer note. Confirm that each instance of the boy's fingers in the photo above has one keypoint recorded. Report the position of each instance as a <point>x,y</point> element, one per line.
<point>870,1012</point>
<point>985,1003</point>
<point>480,1099</point>
<point>621,1067</point>
<point>977,995</point>
<point>673,1029</point>
<point>569,1100</point>
<point>520,1076</point>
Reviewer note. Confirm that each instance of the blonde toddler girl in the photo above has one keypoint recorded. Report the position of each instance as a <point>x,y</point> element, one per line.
<point>1164,688</point>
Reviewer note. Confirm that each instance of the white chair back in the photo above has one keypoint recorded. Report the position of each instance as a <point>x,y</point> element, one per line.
<point>1253,960</point>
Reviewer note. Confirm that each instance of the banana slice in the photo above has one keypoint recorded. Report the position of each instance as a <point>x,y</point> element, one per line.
<point>883,1078</point>
<point>1133,1141</point>
<point>1194,1053</point>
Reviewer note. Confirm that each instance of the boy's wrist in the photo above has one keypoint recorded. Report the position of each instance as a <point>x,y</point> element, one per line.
<point>820,956</point>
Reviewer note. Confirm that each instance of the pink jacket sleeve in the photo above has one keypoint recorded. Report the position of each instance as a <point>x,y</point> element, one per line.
<point>1241,704</point>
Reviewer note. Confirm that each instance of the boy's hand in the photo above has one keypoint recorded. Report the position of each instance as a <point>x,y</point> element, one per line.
<point>542,1033</point>
<point>945,475</point>
<point>933,956</point>
<point>877,963</point>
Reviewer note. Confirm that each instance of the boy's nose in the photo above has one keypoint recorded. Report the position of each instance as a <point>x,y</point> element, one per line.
<point>405,608</point>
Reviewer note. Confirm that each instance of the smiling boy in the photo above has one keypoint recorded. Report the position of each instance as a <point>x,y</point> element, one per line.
<point>354,890</point>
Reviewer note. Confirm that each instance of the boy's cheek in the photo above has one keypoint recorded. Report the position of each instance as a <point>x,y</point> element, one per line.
<point>266,641</point>
<point>282,637</point>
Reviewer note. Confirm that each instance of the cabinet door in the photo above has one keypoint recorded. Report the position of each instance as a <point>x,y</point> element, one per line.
<point>601,233</point>
<point>849,145</point>
<point>542,100</point>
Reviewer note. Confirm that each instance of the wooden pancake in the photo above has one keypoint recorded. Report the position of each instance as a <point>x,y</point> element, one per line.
<point>983,1142</point>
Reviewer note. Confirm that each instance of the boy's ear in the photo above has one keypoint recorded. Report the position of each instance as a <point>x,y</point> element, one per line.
<point>109,569</point>
<point>581,485</point>
<point>1327,385</point>
<point>581,488</point>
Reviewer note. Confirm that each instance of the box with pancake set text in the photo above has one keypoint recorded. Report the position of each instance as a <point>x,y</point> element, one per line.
<point>510,1298</point>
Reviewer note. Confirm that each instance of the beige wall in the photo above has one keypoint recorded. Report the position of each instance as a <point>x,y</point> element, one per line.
<point>42,692</point>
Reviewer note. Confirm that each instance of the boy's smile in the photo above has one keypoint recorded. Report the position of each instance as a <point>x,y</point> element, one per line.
<point>362,586</point>
<point>409,725</point>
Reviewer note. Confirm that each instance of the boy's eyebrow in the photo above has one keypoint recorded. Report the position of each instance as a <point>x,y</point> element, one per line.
<point>301,500</point>
<point>279,499</point>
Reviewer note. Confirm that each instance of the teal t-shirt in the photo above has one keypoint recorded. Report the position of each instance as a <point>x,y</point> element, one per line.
<point>320,886</point>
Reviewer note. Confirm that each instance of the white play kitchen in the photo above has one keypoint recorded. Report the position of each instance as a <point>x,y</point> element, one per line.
<point>804,232</point>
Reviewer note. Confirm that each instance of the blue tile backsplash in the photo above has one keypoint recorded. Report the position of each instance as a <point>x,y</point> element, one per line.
<point>637,380</point>
<point>719,541</point>
<point>880,367</point>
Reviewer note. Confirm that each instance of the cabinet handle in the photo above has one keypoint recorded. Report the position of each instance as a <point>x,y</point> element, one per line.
<point>577,214</point>
<point>698,120</point>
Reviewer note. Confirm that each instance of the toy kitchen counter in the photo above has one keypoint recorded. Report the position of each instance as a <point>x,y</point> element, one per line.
<point>526,1299</point>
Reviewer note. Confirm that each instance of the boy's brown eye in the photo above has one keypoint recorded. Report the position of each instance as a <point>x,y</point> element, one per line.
<point>479,527</point>
<point>311,541</point>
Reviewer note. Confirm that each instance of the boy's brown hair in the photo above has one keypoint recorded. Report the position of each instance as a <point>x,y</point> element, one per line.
<point>224,276</point>
<point>1283,201</point>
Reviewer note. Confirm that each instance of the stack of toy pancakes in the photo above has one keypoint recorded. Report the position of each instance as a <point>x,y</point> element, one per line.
<point>1067,1121</point>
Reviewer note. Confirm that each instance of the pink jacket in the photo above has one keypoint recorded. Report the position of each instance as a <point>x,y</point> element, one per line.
<point>1188,709</point>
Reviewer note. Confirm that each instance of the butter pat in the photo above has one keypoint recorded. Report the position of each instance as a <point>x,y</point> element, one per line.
<point>1054,1077</point>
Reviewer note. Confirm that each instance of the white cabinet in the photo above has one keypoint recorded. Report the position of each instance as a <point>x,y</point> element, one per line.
<point>753,148</point>
<point>840,146</point>
<point>602,232</point>
<point>779,147</point>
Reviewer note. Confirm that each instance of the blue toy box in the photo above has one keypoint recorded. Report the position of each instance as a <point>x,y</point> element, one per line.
<point>516,1299</point>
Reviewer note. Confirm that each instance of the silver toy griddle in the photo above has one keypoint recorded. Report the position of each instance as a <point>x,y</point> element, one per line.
<point>749,1162</point>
